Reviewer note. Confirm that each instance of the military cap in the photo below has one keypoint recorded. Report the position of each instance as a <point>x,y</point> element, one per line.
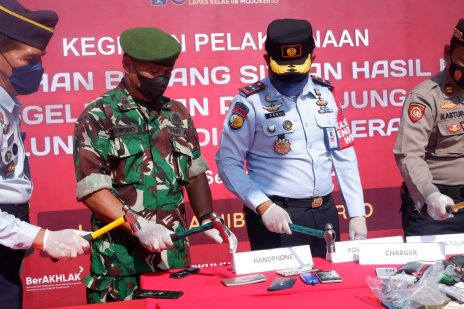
<point>34,28</point>
<point>458,35</point>
<point>289,41</point>
<point>150,44</point>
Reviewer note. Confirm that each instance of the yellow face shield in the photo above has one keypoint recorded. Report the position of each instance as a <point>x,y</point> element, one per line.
<point>290,68</point>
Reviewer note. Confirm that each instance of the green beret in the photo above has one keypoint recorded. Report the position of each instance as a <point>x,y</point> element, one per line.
<point>150,44</point>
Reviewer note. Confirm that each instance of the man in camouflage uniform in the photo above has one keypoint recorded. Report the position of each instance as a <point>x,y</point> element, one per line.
<point>429,148</point>
<point>135,147</point>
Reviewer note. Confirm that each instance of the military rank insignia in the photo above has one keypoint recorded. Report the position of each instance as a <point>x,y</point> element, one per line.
<point>416,111</point>
<point>282,145</point>
<point>238,116</point>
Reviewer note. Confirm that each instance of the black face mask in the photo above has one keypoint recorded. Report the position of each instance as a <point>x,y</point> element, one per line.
<point>153,88</point>
<point>456,73</point>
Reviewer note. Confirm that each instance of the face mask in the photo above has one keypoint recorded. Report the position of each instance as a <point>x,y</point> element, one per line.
<point>456,73</point>
<point>289,85</point>
<point>26,79</point>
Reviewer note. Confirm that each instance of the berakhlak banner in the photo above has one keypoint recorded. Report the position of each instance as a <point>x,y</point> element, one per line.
<point>373,52</point>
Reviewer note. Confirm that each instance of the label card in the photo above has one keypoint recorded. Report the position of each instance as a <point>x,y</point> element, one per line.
<point>348,251</point>
<point>271,259</point>
<point>373,253</point>
<point>454,243</point>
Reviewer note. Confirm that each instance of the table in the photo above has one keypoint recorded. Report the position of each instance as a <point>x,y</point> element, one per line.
<point>205,290</point>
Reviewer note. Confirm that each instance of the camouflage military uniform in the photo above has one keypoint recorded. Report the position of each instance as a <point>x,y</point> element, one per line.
<point>144,157</point>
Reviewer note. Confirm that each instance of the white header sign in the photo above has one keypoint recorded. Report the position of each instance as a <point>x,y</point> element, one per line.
<point>373,253</point>
<point>272,259</point>
<point>454,243</point>
<point>348,251</point>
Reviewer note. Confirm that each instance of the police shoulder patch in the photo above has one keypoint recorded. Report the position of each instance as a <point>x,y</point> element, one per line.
<point>253,88</point>
<point>323,82</point>
<point>416,111</point>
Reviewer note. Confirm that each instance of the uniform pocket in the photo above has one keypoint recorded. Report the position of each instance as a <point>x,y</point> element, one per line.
<point>182,158</point>
<point>125,157</point>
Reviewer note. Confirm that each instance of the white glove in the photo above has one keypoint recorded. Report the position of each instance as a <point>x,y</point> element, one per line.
<point>213,233</point>
<point>64,244</point>
<point>357,228</point>
<point>276,219</point>
<point>154,237</point>
<point>436,206</point>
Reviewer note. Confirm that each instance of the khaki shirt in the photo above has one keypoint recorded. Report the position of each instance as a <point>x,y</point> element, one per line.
<point>429,148</point>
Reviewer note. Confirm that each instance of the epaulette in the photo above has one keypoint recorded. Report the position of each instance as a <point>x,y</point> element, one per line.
<point>253,88</point>
<point>323,82</point>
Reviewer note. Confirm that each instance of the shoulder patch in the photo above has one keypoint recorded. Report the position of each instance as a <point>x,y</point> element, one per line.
<point>416,111</point>
<point>253,88</point>
<point>323,82</point>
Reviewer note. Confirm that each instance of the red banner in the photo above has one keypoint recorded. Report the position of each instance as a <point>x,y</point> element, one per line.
<point>374,52</point>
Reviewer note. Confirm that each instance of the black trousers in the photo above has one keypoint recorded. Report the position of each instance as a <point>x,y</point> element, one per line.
<point>11,288</point>
<point>417,224</point>
<point>301,213</point>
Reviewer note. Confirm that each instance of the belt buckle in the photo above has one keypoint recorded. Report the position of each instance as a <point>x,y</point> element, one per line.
<point>317,202</point>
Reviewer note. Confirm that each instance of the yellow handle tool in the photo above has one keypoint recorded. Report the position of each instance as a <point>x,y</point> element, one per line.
<point>105,229</point>
<point>455,207</point>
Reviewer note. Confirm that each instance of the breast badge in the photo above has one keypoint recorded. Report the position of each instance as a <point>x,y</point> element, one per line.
<point>287,125</point>
<point>320,101</point>
<point>454,128</point>
<point>448,105</point>
<point>271,128</point>
<point>272,107</point>
<point>282,146</point>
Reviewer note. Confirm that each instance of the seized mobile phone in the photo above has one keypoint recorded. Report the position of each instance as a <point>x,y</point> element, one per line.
<point>328,276</point>
<point>185,272</point>
<point>309,278</point>
<point>248,279</point>
<point>138,294</point>
<point>281,284</point>
<point>296,270</point>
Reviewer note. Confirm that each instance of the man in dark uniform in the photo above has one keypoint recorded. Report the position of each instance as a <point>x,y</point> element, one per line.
<point>136,147</point>
<point>24,36</point>
<point>429,148</point>
<point>291,133</point>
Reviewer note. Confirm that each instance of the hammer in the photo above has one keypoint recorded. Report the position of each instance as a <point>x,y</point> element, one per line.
<point>129,216</point>
<point>328,234</point>
<point>216,223</point>
<point>454,208</point>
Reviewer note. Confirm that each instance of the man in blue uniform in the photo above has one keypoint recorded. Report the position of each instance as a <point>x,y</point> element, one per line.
<point>24,36</point>
<point>291,133</point>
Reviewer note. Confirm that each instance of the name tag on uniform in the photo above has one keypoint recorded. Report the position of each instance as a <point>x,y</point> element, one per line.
<point>331,139</point>
<point>400,253</point>
<point>271,259</point>
<point>274,114</point>
<point>454,243</point>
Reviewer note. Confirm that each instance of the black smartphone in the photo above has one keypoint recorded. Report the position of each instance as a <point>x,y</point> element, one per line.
<point>281,284</point>
<point>185,272</point>
<point>138,294</point>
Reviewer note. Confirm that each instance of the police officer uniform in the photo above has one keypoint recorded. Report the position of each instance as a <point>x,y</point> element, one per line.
<point>429,150</point>
<point>290,146</point>
<point>34,28</point>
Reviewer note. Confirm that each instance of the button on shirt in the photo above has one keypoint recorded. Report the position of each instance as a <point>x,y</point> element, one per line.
<point>15,186</point>
<point>306,170</point>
